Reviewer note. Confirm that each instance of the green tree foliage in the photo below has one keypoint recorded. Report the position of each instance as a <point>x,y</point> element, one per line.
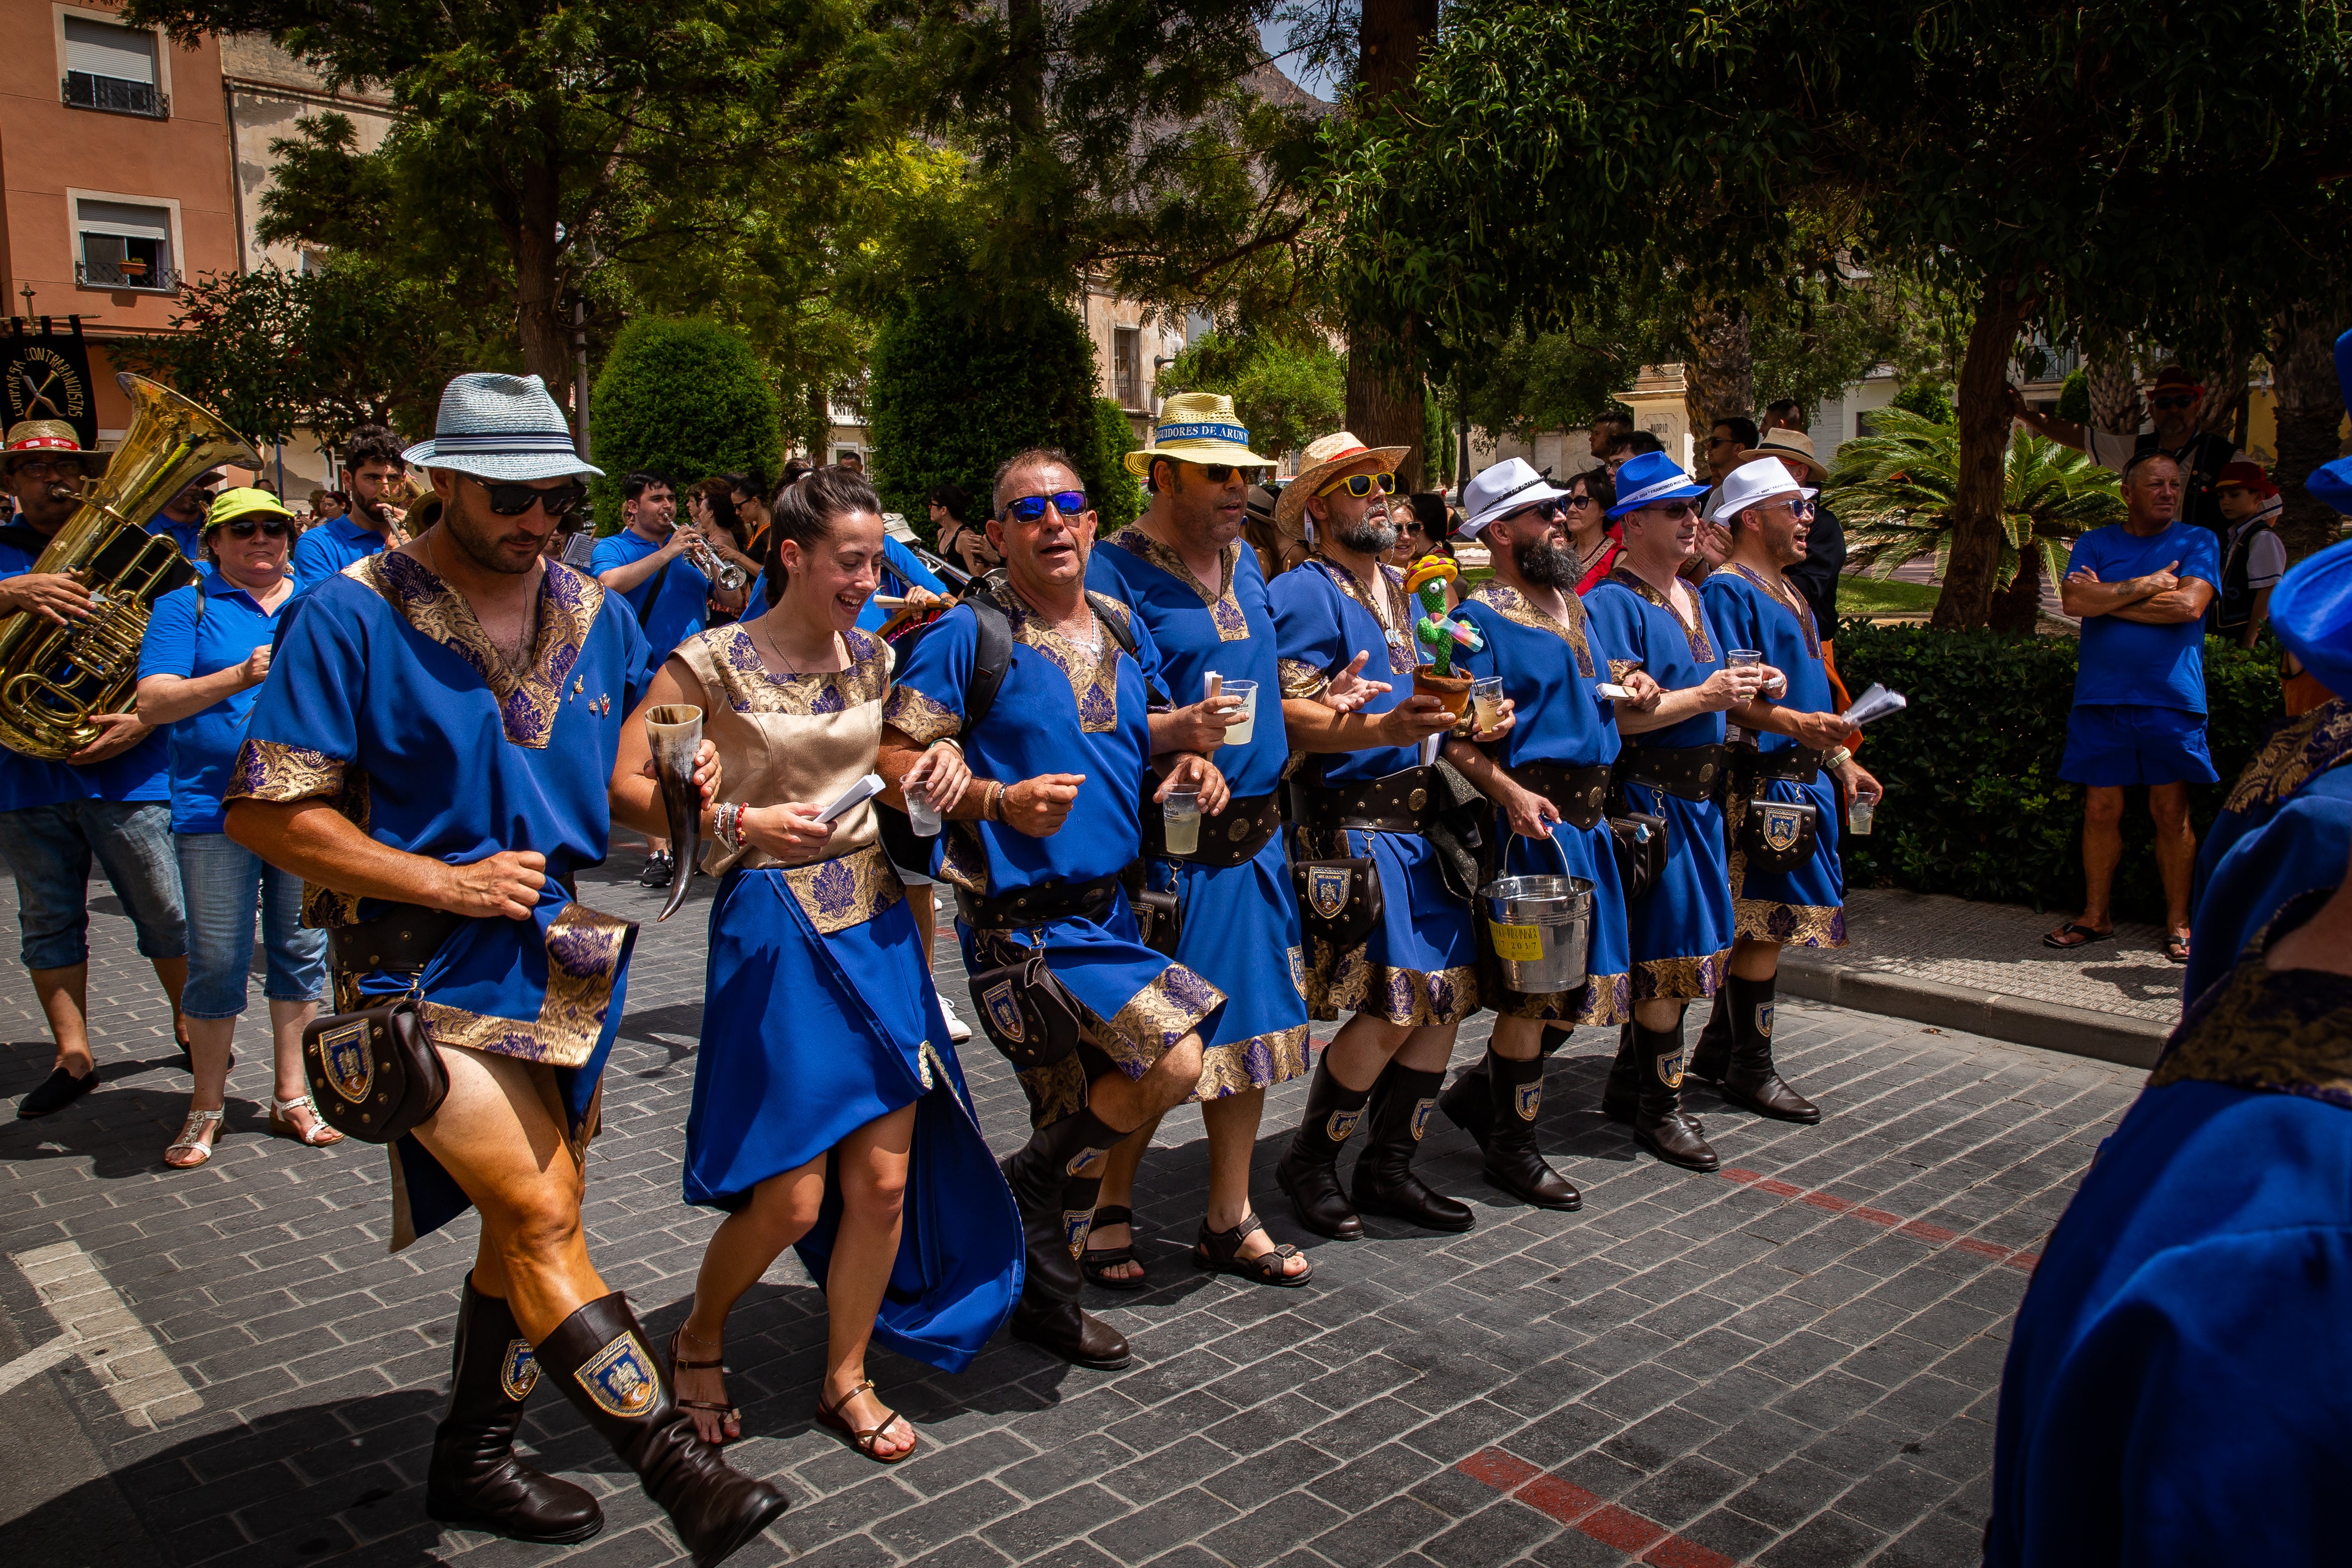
<point>686,399</point>
<point>953,393</point>
<point>1929,399</point>
<point>2075,397</point>
<point>1286,391</point>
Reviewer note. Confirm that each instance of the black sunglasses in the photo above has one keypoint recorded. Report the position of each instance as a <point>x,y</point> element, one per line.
<point>513,501</point>
<point>270,528</point>
<point>2174,401</point>
<point>1029,508</point>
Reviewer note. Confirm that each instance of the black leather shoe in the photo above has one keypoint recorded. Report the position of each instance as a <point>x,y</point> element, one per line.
<point>1660,1123</point>
<point>1309,1169</point>
<point>56,1092</point>
<point>1384,1183</point>
<point>1059,1328</point>
<point>1513,1163</point>
<point>474,1480</point>
<point>1468,1103</point>
<point>600,1357</point>
<point>659,869</point>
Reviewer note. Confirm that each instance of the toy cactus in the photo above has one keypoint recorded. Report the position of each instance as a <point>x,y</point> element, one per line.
<point>1427,580</point>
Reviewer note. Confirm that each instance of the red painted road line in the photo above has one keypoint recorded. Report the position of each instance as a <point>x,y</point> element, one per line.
<point>1917,1229</point>
<point>1586,1514</point>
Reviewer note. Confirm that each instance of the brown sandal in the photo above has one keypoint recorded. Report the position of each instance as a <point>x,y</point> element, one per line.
<point>830,1417</point>
<point>678,1363</point>
<point>1219,1252</point>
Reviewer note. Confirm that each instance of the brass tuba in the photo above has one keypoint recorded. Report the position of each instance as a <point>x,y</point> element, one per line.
<point>53,678</point>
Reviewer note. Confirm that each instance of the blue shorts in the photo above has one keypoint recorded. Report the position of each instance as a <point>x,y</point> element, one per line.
<point>2115,743</point>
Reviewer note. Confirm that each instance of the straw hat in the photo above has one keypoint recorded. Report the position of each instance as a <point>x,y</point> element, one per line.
<point>1197,427</point>
<point>1793,447</point>
<point>1322,458</point>
<point>52,438</point>
<point>503,428</point>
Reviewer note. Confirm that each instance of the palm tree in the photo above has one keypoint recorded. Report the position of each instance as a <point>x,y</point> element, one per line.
<point>1893,491</point>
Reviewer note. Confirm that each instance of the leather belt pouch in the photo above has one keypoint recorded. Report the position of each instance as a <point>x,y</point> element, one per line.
<point>1159,917</point>
<point>1225,841</point>
<point>1777,835</point>
<point>1395,803</point>
<point>1579,795</point>
<point>1642,845</point>
<point>1027,1013</point>
<point>1340,901</point>
<point>1692,772</point>
<point>373,1073</point>
<point>1034,906</point>
<point>1800,765</point>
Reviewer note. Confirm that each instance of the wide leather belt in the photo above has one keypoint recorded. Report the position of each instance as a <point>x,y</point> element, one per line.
<point>1395,803</point>
<point>1801,763</point>
<point>1035,906</point>
<point>1225,841</point>
<point>403,938</point>
<point>1692,772</point>
<point>1579,794</point>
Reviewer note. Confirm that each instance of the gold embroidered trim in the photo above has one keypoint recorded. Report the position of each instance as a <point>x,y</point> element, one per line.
<point>1346,983</point>
<point>1258,1062</point>
<point>918,717</point>
<point>848,891</point>
<point>271,770</point>
<point>1801,610</point>
<point>2299,752</point>
<point>1702,651</point>
<point>1607,999</point>
<point>584,958</point>
<point>1619,668</point>
<point>2289,1031</point>
<point>1680,979</point>
<point>1790,925</point>
<point>1054,1091</point>
<point>1224,610</point>
<point>1155,1020</point>
<point>1395,623</point>
<point>568,604</point>
<point>1092,676</point>
<point>1300,678</point>
<point>1518,608</point>
<point>749,686</point>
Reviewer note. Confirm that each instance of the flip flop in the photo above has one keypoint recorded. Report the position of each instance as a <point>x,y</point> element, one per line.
<point>2176,947</point>
<point>2084,937</point>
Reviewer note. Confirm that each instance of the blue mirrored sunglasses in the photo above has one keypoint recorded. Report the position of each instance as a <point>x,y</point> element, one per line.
<point>1029,508</point>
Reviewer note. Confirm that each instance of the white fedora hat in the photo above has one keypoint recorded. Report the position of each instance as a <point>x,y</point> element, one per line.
<point>1511,485</point>
<point>1752,482</point>
<point>505,428</point>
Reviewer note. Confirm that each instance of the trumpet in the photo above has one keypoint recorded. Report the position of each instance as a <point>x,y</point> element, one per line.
<point>724,574</point>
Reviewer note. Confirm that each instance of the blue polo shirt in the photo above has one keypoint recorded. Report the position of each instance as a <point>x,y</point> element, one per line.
<point>327,549</point>
<point>2124,661</point>
<point>137,774</point>
<point>901,569</point>
<point>188,536</point>
<point>684,607</point>
<point>188,636</point>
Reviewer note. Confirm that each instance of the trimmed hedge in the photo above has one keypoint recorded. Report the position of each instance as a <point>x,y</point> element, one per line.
<point>688,399</point>
<point>1974,804</point>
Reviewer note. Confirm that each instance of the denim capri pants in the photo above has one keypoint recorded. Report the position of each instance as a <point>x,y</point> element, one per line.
<point>50,848</point>
<point>223,879</point>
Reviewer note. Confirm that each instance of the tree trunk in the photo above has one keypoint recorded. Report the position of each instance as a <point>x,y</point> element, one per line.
<point>1384,406</point>
<point>545,335</point>
<point>1974,561</point>
<point>1719,378</point>
<point>2113,385</point>
<point>2017,608</point>
<point>2310,411</point>
<point>1025,32</point>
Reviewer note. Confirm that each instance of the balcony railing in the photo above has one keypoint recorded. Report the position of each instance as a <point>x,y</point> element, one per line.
<point>126,275</point>
<point>116,95</point>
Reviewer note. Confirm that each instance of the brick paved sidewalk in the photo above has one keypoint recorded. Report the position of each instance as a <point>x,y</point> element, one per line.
<point>1791,1362</point>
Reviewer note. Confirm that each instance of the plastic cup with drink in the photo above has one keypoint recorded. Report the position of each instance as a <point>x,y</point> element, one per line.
<point>1215,686</point>
<point>1182,813</point>
<point>923,816</point>
<point>1858,815</point>
<point>1486,703</point>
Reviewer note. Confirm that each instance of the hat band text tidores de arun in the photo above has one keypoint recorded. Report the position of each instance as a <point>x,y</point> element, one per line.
<point>1197,432</point>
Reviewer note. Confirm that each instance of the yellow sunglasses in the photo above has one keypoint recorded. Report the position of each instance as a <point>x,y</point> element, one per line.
<point>1361,485</point>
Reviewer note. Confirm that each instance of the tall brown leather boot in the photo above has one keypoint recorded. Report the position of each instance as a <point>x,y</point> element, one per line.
<point>599,1357</point>
<point>1310,1170</point>
<point>1513,1162</point>
<point>1660,1123</point>
<point>1384,1183</point>
<point>1057,1210</point>
<point>1737,1057</point>
<point>475,1481</point>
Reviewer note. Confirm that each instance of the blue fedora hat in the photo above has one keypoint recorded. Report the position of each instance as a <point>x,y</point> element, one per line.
<point>2311,611</point>
<point>1648,478</point>
<point>504,429</point>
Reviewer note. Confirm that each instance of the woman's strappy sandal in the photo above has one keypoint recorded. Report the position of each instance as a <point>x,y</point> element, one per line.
<point>1096,1262</point>
<point>196,1135</point>
<point>727,1414</point>
<point>830,1417</point>
<point>283,1125</point>
<point>1219,1252</point>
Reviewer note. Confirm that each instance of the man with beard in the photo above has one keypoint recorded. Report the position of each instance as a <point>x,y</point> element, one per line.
<point>1680,930</point>
<point>375,472</point>
<point>112,800</point>
<point>463,700</point>
<point>1410,974</point>
<point>1184,573</point>
<point>1548,779</point>
<point>1783,817</point>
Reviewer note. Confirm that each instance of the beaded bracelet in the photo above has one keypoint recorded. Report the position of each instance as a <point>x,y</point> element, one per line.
<point>726,823</point>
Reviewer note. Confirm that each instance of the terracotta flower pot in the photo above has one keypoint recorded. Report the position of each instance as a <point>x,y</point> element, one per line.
<point>1453,691</point>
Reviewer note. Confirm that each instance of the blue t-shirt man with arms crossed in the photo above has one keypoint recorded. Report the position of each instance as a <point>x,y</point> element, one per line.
<point>2140,587</point>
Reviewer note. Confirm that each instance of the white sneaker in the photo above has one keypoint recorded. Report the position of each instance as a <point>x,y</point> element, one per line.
<point>958,1030</point>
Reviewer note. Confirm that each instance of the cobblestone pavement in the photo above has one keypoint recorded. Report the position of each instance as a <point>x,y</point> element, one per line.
<point>1792,1362</point>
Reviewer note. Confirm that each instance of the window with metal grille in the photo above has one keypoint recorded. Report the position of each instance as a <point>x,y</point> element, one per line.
<point>112,68</point>
<point>121,245</point>
<point>1127,365</point>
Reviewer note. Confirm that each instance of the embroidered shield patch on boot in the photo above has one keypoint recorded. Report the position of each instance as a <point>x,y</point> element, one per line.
<point>1527,1099</point>
<point>1670,1068</point>
<point>1077,1225</point>
<point>1342,1124</point>
<point>1081,1160</point>
<point>621,1378</point>
<point>1421,1109</point>
<point>518,1371</point>
<point>346,1061</point>
<point>1764,1019</point>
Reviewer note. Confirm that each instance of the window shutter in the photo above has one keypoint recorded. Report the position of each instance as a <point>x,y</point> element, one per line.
<point>96,49</point>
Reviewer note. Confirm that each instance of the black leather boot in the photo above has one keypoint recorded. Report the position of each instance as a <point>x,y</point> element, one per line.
<point>1384,1182</point>
<point>1512,1163</point>
<point>1037,1171</point>
<point>1309,1169</point>
<point>475,1481</point>
<point>1660,1123</point>
<point>1047,1315</point>
<point>1469,1102</point>
<point>1621,1096</point>
<point>1734,1053</point>
<point>600,1359</point>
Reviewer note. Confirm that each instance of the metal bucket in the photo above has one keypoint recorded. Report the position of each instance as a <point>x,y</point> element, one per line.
<point>1541,927</point>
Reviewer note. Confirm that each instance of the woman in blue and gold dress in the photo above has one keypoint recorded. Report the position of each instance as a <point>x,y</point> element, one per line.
<point>830,1113</point>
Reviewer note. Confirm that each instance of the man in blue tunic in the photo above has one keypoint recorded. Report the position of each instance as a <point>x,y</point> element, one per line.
<point>1548,779</point>
<point>2174,1395</point>
<point>2140,587</point>
<point>1790,781</point>
<point>1362,801</point>
<point>371,466</point>
<point>1105,1031</point>
<point>433,755</point>
<point>1680,927</point>
<point>110,801</point>
<point>1183,572</point>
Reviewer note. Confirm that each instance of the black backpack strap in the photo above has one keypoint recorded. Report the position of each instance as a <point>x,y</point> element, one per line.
<point>991,658</point>
<point>652,596</point>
